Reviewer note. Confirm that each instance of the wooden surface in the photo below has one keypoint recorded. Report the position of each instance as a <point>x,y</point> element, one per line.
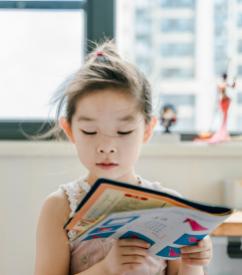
<point>231,227</point>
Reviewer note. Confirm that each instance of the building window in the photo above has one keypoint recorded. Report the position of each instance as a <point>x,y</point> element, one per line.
<point>239,70</point>
<point>240,46</point>
<point>177,49</point>
<point>177,25</point>
<point>177,73</point>
<point>239,98</point>
<point>239,21</point>
<point>221,36</point>
<point>239,123</point>
<point>177,3</point>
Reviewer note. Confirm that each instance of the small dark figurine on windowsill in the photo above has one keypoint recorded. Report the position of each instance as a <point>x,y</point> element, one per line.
<point>168,117</point>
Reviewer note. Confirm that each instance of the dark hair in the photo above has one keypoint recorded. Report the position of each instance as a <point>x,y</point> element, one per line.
<point>224,76</point>
<point>103,69</point>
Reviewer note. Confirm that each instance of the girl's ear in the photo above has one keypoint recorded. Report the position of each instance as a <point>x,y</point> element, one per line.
<point>149,129</point>
<point>66,127</point>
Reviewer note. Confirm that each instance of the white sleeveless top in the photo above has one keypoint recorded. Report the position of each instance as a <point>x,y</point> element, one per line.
<point>87,253</point>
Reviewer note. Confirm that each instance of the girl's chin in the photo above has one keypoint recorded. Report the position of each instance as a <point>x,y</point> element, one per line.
<point>108,174</point>
<point>111,174</point>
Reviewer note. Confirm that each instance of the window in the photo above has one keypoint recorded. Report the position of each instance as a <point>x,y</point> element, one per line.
<point>239,71</point>
<point>177,73</point>
<point>177,25</point>
<point>177,3</point>
<point>239,22</point>
<point>161,37</point>
<point>39,48</point>
<point>240,46</point>
<point>177,49</point>
<point>179,100</point>
<point>221,36</point>
<point>239,122</point>
<point>142,21</point>
<point>219,52</point>
<point>42,43</point>
<point>239,98</point>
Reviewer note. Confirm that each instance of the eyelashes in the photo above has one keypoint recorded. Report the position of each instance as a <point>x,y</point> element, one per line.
<point>125,133</point>
<point>88,133</point>
<point>119,133</point>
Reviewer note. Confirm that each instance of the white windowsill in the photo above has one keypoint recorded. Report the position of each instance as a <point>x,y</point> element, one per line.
<point>176,149</point>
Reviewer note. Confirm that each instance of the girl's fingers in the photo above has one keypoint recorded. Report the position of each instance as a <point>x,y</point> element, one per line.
<point>132,259</point>
<point>198,255</point>
<point>198,262</point>
<point>192,249</point>
<point>126,251</point>
<point>202,245</point>
<point>133,242</point>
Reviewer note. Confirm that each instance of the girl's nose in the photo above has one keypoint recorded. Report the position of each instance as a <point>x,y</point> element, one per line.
<point>106,149</point>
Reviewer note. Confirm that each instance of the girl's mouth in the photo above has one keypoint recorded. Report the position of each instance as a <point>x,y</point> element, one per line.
<point>107,165</point>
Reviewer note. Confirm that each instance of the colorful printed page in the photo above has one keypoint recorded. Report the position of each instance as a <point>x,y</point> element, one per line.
<point>108,196</point>
<point>166,230</point>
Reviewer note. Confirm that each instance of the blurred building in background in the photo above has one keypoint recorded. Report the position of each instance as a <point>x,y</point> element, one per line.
<point>183,46</point>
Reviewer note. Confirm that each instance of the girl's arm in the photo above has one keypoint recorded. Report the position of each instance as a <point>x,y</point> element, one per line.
<point>52,248</point>
<point>98,268</point>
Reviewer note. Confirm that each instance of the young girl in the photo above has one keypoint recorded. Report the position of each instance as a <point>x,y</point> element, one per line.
<point>107,116</point>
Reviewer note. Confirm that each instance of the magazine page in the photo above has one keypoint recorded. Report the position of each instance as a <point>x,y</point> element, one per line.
<point>166,230</point>
<point>108,197</point>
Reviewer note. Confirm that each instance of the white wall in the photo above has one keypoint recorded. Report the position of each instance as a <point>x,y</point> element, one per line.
<point>29,171</point>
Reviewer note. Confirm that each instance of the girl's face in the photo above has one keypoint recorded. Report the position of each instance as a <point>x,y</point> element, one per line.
<point>108,132</point>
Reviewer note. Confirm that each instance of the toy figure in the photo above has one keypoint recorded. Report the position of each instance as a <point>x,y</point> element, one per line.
<point>168,117</point>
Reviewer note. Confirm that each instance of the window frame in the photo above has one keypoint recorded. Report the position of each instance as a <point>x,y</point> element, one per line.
<point>99,23</point>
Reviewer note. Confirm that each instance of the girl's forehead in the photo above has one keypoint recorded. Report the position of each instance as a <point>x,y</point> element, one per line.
<point>111,105</point>
<point>119,116</point>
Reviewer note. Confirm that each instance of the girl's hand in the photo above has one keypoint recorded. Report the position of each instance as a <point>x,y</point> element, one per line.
<point>201,254</point>
<point>125,255</point>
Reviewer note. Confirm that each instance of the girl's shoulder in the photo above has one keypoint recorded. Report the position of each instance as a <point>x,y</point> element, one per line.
<point>156,185</point>
<point>52,248</point>
<point>62,202</point>
<point>56,204</point>
<point>73,192</point>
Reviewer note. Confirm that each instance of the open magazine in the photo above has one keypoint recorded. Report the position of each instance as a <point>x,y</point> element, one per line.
<point>167,222</point>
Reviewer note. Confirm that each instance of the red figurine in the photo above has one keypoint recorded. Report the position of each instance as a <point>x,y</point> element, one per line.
<point>224,103</point>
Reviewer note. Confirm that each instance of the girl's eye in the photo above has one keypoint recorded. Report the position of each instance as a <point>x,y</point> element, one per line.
<point>88,133</point>
<point>125,133</point>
